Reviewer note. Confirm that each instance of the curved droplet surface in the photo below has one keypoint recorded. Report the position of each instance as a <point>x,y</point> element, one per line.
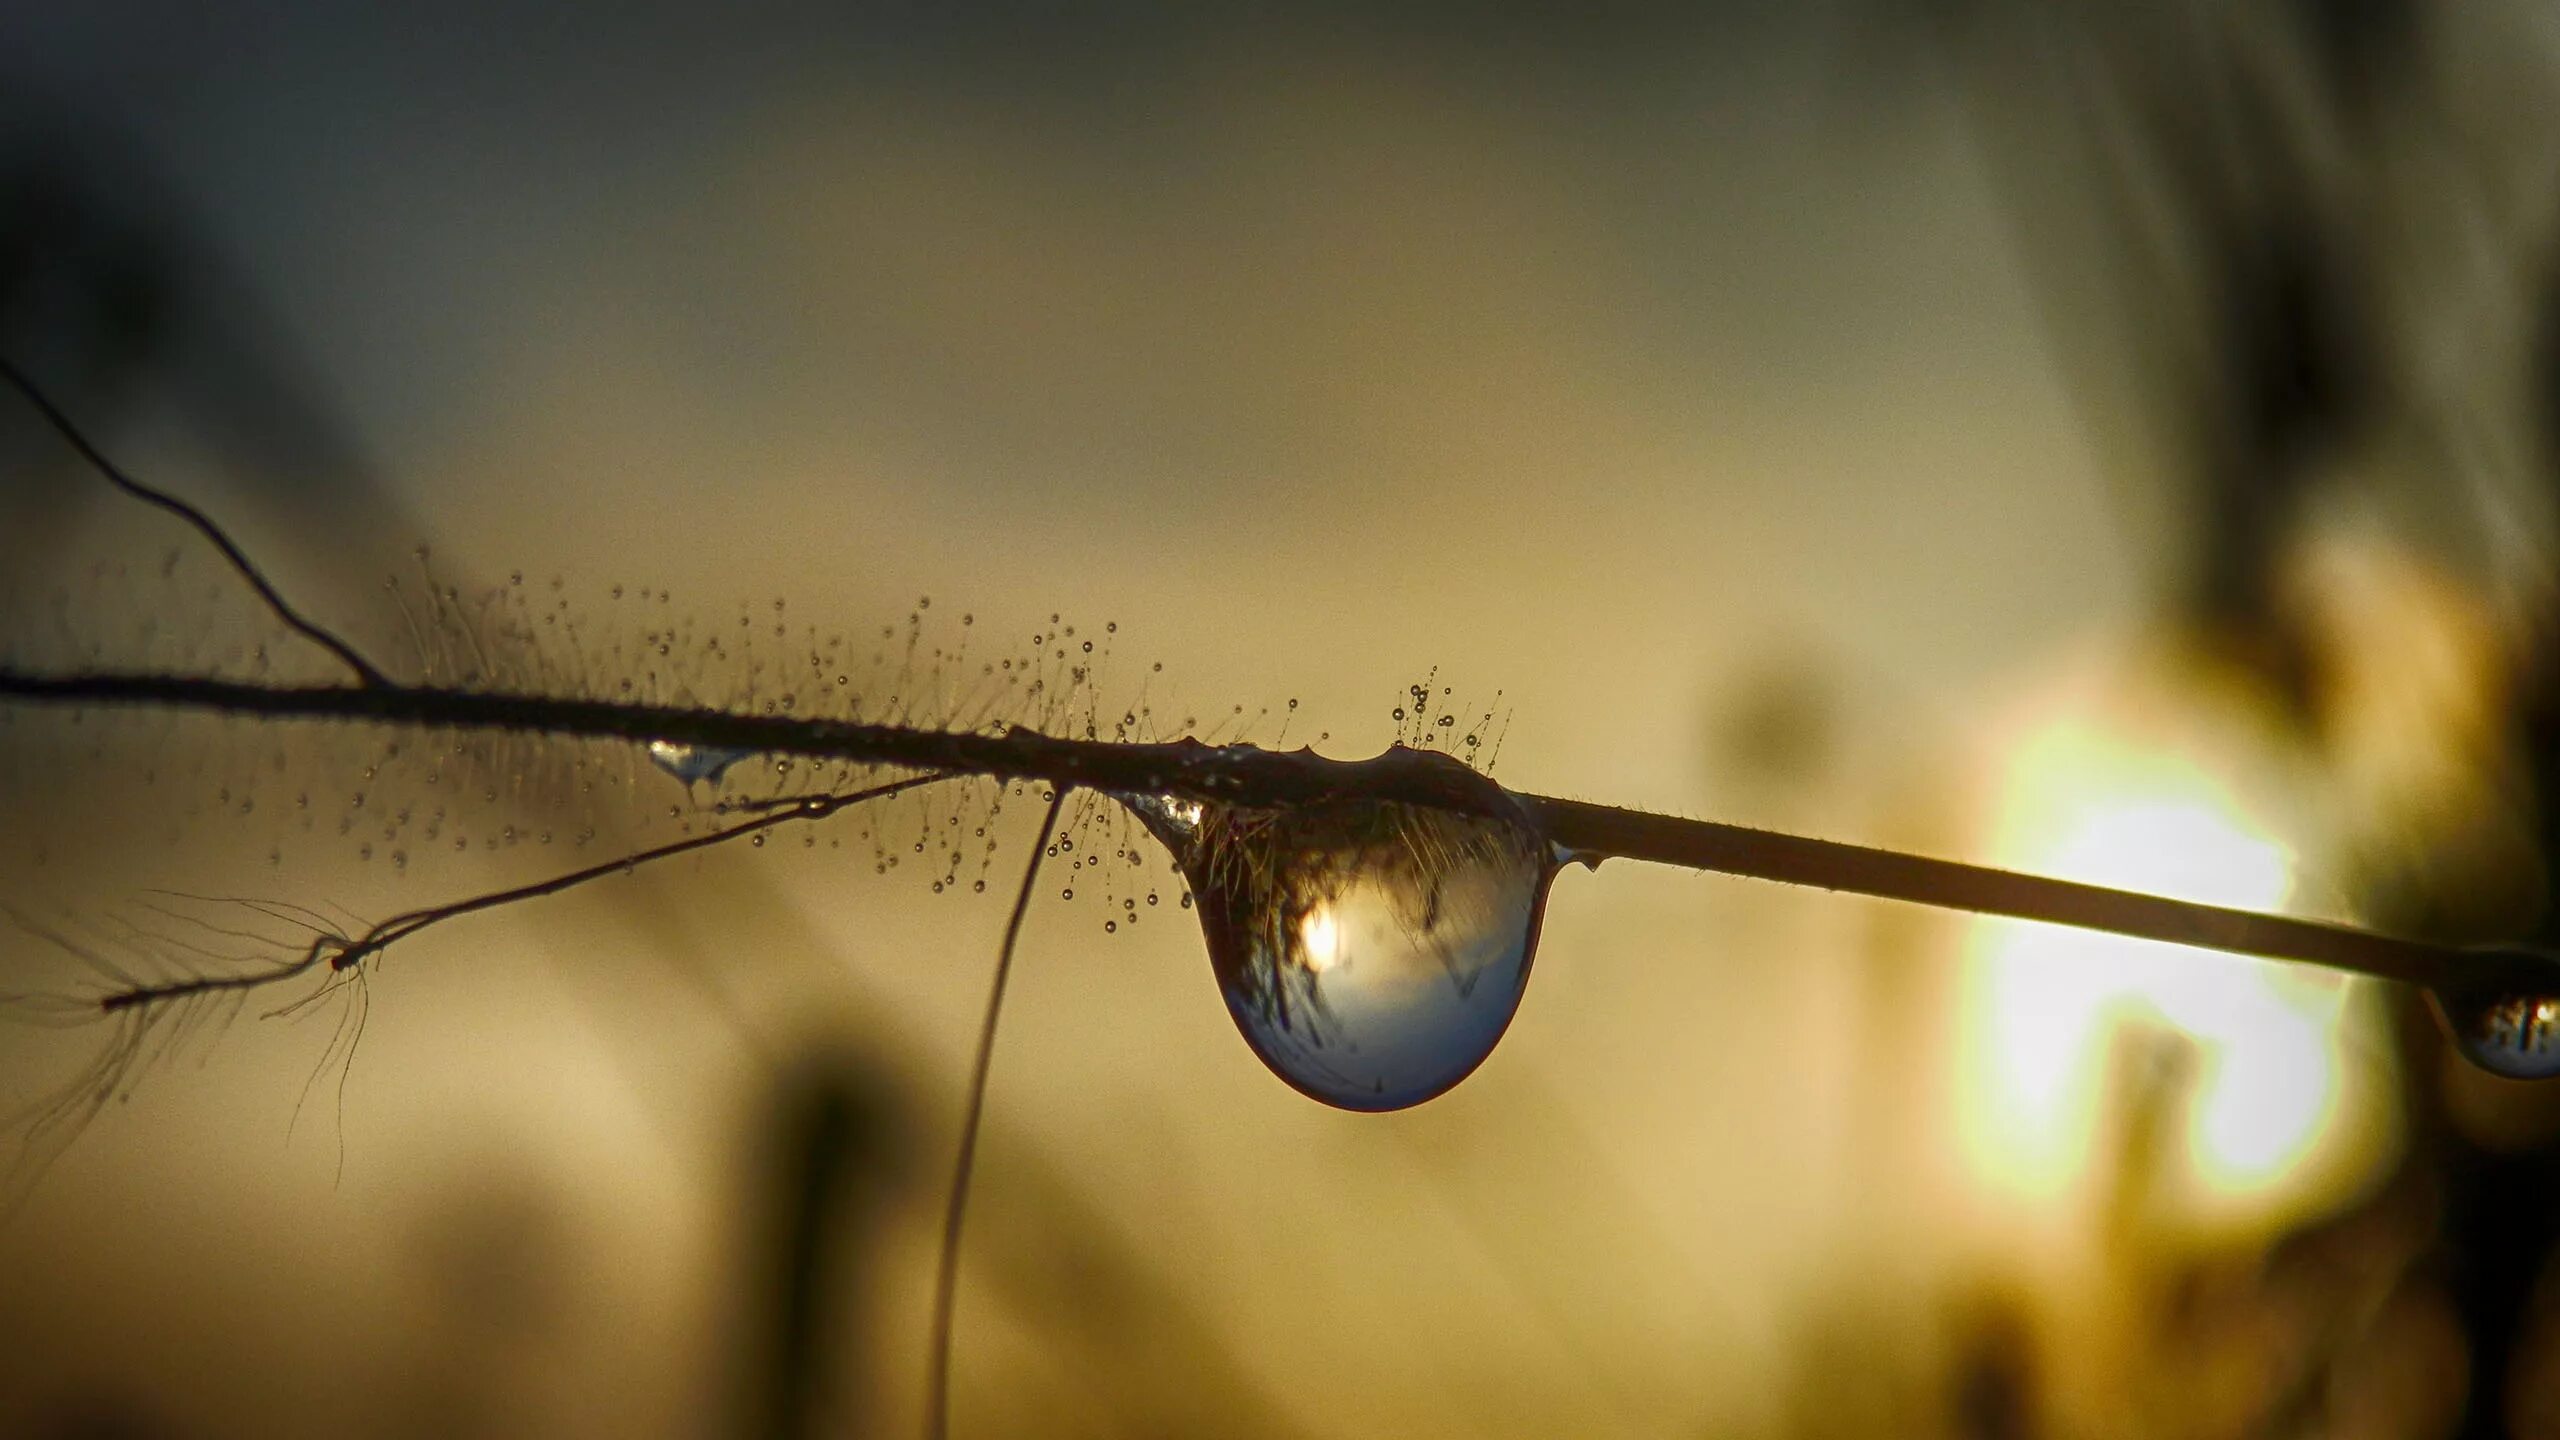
<point>2506,1030</point>
<point>694,764</point>
<point>1371,952</point>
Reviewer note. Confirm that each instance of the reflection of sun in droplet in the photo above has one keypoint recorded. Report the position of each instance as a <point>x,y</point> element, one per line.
<point>1320,939</point>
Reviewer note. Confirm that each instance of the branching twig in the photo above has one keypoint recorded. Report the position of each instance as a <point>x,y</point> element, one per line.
<point>138,1008</point>
<point>341,952</point>
<point>363,669</point>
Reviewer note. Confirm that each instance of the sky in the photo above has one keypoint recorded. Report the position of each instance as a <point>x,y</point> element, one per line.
<point>1668,380</point>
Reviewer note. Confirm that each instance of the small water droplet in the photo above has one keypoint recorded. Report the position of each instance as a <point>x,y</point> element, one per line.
<point>757,839</point>
<point>1371,952</point>
<point>1563,855</point>
<point>694,764</point>
<point>2506,1030</point>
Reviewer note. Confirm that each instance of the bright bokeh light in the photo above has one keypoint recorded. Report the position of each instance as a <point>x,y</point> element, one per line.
<point>2049,1011</point>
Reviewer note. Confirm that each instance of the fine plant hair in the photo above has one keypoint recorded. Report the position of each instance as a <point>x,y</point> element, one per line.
<point>147,1014</point>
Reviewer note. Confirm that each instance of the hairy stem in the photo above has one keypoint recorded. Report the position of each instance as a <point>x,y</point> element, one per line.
<point>1249,775</point>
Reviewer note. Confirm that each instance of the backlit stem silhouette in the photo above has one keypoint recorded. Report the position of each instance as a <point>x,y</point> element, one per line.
<point>1250,775</point>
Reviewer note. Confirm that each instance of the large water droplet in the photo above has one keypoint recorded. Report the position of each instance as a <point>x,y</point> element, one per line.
<point>2506,1029</point>
<point>1371,952</point>
<point>694,764</point>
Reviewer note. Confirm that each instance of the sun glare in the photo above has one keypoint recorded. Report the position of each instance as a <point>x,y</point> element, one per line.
<point>1321,938</point>
<point>2257,1047</point>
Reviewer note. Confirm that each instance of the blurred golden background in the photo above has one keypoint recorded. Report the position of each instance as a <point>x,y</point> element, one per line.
<point>2090,439</point>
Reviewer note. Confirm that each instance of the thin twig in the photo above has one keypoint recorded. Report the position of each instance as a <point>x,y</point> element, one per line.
<point>363,669</point>
<point>342,952</point>
<point>946,1279</point>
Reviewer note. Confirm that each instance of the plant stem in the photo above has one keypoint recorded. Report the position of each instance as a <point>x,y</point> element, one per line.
<point>1952,885</point>
<point>1249,775</point>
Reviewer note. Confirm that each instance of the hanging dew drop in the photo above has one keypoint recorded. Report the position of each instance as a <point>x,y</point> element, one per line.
<point>1371,952</point>
<point>1563,855</point>
<point>2505,1030</point>
<point>2511,1035</point>
<point>694,764</point>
